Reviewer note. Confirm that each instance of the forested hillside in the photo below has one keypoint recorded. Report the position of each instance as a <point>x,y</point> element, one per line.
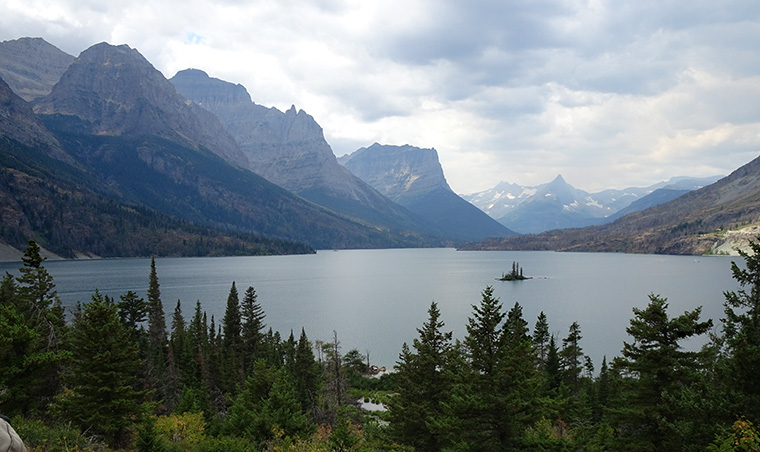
<point>229,384</point>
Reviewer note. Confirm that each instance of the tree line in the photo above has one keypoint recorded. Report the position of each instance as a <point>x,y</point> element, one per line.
<point>117,375</point>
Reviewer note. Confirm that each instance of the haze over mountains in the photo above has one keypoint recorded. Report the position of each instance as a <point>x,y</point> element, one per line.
<point>559,205</point>
<point>116,160</point>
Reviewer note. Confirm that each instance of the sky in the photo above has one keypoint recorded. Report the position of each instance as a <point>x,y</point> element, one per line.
<point>607,93</point>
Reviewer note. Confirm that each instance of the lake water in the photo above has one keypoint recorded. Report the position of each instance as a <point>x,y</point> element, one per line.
<point>376,299</point>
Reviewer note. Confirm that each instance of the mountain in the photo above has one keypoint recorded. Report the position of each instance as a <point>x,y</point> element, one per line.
<point>289,149</point>
<point>136,142</point>
<point>31,66</point>
<point>558,205</point>
<point>413,178</point>
<point>115,91</point>
<point>43,196</point>
<point>696,222</point>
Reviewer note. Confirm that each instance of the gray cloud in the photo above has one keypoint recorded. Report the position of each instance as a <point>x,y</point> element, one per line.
<point>610,93</point>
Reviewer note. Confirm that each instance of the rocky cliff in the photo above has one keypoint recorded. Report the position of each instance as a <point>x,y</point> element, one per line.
<point>413,177</point>
<point>31,66</point>
<point>119,93</point>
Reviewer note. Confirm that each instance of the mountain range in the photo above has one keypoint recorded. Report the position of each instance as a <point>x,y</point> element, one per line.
<point>698,222</point>
<point>117,129</point>
<point>559,205</point>
<point>101,155</point>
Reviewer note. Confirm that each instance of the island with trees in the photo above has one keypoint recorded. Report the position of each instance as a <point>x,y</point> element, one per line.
<point>515,275</point>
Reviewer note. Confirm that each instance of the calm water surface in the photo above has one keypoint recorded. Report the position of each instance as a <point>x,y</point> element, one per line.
<point>376,299</point>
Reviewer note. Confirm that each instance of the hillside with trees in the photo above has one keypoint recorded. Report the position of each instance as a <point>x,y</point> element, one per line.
<point>207,384</point>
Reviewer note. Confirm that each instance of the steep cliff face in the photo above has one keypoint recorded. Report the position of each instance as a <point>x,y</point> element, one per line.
<point>31,66</point>
<point>289,149</point>
<point>413,177</point>
<point>118,92</point>
<point>402,173</point>
<point>18,122</point>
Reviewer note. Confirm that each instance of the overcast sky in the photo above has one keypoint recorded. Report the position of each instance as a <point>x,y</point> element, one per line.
<point>608,93</point>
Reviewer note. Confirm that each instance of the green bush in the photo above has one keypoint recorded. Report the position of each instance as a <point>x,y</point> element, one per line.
<point>41,437</point>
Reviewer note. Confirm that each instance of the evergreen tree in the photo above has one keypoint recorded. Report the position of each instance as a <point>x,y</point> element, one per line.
<point>252,330</point>
<point>553,371</point>
<point>158,342</point>
<point>572,357</point>
<point>423,385</point>
<point>741,329</point>
<point>100,395</point>
<point>305,373</point>
<point>541,339</point>
<point>33,329</point>
<point>657,373</point>
<point>231,342</point>
<point>133,311</point>
<point>493,399</point>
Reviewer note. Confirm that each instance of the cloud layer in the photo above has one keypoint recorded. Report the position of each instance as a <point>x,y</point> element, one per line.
<point>609,93</point>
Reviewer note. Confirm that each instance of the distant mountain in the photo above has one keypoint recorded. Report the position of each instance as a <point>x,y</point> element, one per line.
<point>136,142</point>
<point>413,177</point>
<point>558,205</point>
<point>31,66</point>
<point>693,223</point>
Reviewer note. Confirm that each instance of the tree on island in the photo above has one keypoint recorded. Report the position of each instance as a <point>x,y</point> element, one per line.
<point>515,275</point>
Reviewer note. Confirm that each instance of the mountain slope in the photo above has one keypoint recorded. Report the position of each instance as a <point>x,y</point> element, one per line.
<point>413,177</point>
<point>31,66</point>
<point>43,196</point>
<point>689,224</point>
<point>289,149</point>
<point>142,144</point>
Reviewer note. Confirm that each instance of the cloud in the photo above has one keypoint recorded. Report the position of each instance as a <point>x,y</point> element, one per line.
<point>609,93</point>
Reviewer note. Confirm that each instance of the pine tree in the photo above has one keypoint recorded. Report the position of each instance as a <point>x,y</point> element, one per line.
<point>657,373</point>
<point>572,356</point>
<point>158,342</point>
<point>252,330</point>
<point>133,311</point>
<point>741,329</point>
<point>33,331</point>
<point>231,342</point>
<point>101,396</point>
<point>305,373</point>
<point>423,385</point>
<point>541,339</point>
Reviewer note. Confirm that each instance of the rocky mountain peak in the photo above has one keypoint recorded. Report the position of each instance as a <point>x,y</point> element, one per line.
<point>398,171</point>
<point>117,91</point>
<point>209,91</point>
<point>31,66</point>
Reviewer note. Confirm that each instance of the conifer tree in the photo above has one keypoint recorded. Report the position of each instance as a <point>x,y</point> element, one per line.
<point>541,339</point>
<point>305,373</point>
<point>32,332</point>
<point>133,311</point>
<point>252,330</point>
<point>741,329</point>
<point>572,356</point>
<point>423,385</point>
<point>231,342</point>
<point>101,396</point>
<point>658,372</point>
<point>157,336</point>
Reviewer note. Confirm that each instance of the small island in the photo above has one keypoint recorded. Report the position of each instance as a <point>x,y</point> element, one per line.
<point>515,275</point>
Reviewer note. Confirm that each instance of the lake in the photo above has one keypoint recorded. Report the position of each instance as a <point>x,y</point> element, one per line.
<point>376,299</point>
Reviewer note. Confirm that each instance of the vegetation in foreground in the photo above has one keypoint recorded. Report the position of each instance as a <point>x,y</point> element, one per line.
<point>116,377</point>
